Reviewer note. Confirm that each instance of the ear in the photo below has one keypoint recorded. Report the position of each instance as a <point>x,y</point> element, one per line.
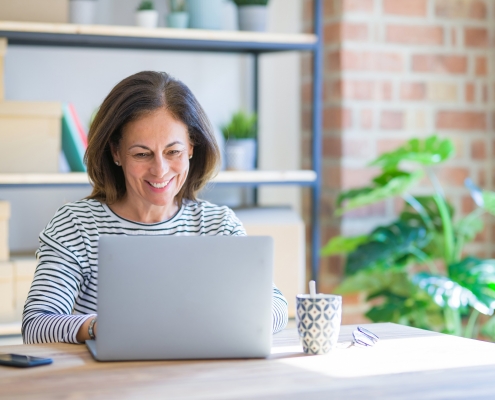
<point>115,152</point>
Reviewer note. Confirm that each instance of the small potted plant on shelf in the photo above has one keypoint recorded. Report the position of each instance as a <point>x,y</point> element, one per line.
<point>240,142</point>
<point>146,15</point>
<point>82,11</point>
<point>177,17</point>
<point>252,14</point>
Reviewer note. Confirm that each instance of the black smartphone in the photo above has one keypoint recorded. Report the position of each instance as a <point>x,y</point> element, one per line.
<point>21,361</point>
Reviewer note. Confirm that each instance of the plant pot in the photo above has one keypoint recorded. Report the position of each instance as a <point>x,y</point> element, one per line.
<point>178,20</point>
<point>240,154</point>
<point>205,14</point>
<point>147,19</point>
<point>252,18</point>
<point>82,11</point>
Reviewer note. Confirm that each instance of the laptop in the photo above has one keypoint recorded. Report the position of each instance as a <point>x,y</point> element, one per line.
<point>183,297</point>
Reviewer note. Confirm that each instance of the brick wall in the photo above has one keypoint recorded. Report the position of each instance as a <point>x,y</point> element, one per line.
<point>396,69</point>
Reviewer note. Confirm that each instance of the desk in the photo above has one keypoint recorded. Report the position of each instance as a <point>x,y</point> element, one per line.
<point>407,363</point>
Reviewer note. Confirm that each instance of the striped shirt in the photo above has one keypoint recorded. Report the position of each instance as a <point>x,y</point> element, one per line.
<point>64,289</point>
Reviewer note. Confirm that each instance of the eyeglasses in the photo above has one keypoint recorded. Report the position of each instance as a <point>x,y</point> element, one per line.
<point>363,337</point>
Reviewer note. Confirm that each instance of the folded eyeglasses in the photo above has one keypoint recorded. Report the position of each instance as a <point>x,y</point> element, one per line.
<point>363,337</point>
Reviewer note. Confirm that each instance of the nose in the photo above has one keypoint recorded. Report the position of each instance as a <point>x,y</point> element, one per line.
<point>159,166</point>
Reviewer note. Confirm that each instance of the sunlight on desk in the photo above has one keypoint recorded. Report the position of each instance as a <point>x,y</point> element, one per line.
<point>393,356</point>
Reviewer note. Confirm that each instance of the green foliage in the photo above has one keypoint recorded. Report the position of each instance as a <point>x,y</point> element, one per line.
<point>390,183</point>
<point>411,270</point>
<point>250,2</point>
<point>387,246</point>
<point>342,245</point>
<point>146,5</point>
<point>427,152</point>
<point>241,126</point>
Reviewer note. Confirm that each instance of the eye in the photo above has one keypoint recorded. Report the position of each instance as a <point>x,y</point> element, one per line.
<point>141,155</point>
<point>175,152</point>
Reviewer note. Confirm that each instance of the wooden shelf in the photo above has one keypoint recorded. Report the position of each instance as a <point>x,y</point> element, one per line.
<point>247,178</point>
<point>46,34</point>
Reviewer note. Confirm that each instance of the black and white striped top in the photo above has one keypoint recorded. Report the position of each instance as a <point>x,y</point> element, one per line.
<point>64,289</point>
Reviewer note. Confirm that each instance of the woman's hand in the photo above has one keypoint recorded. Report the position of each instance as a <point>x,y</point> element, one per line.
<point>83,334</point>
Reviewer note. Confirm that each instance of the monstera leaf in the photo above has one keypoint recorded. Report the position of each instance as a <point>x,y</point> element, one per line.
<point>479,277</point>
<point>342,245</point>
<point>429,205</point>
<point>447,293</point>
<point>391,183</point>
<point>374,281</point>
<point>387,247</point>
<point>429,151</point>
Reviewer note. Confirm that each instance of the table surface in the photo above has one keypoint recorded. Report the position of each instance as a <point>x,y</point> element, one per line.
<point>407,363</point>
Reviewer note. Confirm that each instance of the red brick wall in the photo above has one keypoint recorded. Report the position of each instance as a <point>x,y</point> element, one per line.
<point>395,69</point>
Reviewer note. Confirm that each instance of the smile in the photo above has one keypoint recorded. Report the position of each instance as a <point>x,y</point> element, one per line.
<point>159,185</point>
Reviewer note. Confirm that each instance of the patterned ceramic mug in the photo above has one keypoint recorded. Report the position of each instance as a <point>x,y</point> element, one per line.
<point>318,322</point>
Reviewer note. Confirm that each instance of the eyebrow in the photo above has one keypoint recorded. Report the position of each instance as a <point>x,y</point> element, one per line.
<point>147,148</point>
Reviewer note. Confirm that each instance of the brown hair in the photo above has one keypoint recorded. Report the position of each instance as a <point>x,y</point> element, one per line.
<point>130,99</point>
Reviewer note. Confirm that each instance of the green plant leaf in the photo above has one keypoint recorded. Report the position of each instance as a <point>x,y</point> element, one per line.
<point>409,214</point>
<point>342,245</point>
<point>489,201</point>
<point>391,183</point>
<point>241,126</point>
<point>374,281</point>
<point>445,292</point>
<point>429,151</point>
<point>467,228</point>
<point>387,247</point>
<point>479,277</point>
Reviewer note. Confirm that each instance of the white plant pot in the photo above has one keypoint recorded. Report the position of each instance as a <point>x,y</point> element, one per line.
<point>178,20</point>
<point>205,14</point>
<point>252,18</point>
<point>82,11</point>
<point>240,154</point>
<point>147,19</point>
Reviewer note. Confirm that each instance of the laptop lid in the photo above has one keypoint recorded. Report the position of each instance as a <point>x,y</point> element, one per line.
<point>184,297</point>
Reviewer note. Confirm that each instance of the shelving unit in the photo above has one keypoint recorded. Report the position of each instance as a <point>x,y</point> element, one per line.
<point>254,43</point>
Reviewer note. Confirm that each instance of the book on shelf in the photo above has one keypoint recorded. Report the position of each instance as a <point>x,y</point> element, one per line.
<point>74,140</point>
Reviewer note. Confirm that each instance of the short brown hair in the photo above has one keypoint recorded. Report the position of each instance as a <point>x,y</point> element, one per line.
<point>130,99</point>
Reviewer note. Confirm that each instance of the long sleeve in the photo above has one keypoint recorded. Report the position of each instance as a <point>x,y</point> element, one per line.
<point>56,285</point>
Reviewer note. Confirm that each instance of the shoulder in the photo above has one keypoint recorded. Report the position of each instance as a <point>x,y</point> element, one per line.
<point>212,214</point>
<point>79,213</point>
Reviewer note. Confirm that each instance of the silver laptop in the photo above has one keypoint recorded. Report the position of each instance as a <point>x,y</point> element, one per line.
<point>183,297</point>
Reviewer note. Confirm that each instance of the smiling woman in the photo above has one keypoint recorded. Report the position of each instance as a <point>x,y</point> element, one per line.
<point>150,150</point>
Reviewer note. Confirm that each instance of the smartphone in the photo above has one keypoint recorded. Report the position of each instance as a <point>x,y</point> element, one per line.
<point>21,361</point>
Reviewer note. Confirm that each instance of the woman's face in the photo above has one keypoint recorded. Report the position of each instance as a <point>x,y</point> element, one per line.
<point>154,154</point>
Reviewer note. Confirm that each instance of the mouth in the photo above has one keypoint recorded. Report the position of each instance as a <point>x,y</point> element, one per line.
<point>159,185</point>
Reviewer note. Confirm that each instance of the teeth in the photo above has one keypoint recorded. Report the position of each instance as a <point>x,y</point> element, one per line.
<point>159,185</point>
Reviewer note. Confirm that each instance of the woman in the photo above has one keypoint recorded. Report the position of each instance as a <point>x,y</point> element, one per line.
<point>150,150</point>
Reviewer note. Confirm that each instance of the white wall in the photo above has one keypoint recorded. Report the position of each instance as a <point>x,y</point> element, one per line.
<point>221,83</point>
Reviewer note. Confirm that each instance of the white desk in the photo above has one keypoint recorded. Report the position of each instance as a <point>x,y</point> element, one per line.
<point>407,363</point>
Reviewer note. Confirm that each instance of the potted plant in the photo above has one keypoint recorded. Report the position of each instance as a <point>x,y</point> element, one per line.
<point>146,15</point>
<point>205,14</point>
<point>82,11</point>
<point>252,14</point>
<point>415,269</point>
<point>240,142</point>
<point>177,17</point>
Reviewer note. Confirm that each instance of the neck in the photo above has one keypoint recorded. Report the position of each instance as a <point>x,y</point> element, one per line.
<point>145,214</point>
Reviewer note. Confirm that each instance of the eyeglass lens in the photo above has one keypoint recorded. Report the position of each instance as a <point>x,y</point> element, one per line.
<point>368,333</point>
<point>362,339</point>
